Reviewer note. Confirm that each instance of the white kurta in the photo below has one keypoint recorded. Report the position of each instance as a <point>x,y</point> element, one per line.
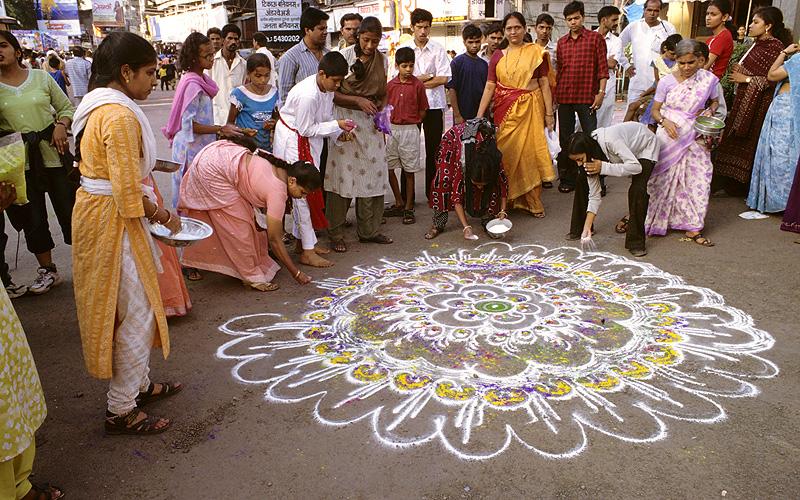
<point>645,46</point>
<point>606,112</point>
<point>226,79</point>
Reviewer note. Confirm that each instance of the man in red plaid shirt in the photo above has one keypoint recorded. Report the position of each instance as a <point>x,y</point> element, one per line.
<point>580,85</point>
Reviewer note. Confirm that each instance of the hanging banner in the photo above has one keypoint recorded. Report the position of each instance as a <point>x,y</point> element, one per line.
<point>279,20</point>
<point>108,13</point>
<point>58,15</point>
<point>176,28</point>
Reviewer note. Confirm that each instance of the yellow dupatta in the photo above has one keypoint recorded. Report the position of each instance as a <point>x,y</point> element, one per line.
<point>520,116</point>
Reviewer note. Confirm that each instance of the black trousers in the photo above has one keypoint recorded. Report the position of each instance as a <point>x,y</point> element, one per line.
<point>567,168</point>
<point>637,205</point>
<point>433,125</point>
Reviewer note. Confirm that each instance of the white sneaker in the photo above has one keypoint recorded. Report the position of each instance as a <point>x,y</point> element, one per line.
<point>16,291</point>
<point>46,280</point>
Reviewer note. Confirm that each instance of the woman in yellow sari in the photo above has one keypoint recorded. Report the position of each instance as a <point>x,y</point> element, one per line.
<point>520,76</point>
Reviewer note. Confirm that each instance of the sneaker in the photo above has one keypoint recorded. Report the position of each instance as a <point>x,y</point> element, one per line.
<point>15,291</point>
<point>47,279</point>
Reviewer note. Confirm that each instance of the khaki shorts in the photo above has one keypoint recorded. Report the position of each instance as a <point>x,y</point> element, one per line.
<point>402,148</point>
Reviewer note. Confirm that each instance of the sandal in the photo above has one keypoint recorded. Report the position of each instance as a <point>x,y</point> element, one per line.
<point>339,246</point>
<point>287,237</point>
<point>706,242</point>
<point>565,189</point>
<point>539,215</point>
<point>261,286</point>
<point>433,232</point>
<point>119,424</point>
<point>395,211</point>
<point>192,274</point>
<point>622,225</point>
<point>45,492</point>
<point>408,217</point>
<point>547,185</point>
<point>167,389</point>
<point>381,239</point>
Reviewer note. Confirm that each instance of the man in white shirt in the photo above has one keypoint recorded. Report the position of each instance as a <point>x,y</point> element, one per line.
<point>80,70</point>
<point>544,31</point>
<point>621,150</point>
<point>494,35</point>
<point>260,44</point>
<point>348,27</point>
<point>432,68</point>
<point>645,37</point>
<point>608,18</point>
<point>228,72</point>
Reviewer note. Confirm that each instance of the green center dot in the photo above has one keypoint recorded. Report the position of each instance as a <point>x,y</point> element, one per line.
<point>494,306</point>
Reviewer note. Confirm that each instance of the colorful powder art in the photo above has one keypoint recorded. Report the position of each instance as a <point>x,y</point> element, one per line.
<point>505,346</point>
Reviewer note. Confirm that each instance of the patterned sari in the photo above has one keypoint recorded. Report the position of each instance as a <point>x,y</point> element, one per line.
<point>681,180</point>
<point>791,217</point>
<point>519,113</point>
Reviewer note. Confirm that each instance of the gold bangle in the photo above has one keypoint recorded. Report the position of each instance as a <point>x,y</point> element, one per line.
<point>152,218</point>
<point>298,274</point>
<point>169,218</point>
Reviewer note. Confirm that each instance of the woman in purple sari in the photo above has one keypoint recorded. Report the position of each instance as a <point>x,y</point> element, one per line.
<point>681,180</point>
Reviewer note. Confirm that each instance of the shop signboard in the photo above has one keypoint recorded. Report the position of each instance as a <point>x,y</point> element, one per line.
<point>279,20</point>
<point>108,13</point>
<point>58,15</point>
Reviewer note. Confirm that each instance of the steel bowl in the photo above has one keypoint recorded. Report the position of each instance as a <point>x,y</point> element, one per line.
<point>167,166</point>
<point>705,125</point>
<point>192,231</point>
<point>497,228</point>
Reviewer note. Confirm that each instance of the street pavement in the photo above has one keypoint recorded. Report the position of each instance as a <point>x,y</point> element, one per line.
<point>273,408</point>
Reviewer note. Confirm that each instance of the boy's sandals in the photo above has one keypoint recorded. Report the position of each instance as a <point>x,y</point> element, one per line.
<point>433,232</point>
<point>262,286</point>
<point>119,424</point>
<point>565,189</point>
<point>338,246</point>
<point>699,239</point>
<point>408,217</point>
<point>192,274</point>
<point>381,239</point>
<point>395,211</point>
<point>167,389</point>
<point>45,492</point>
<point>622,225</point>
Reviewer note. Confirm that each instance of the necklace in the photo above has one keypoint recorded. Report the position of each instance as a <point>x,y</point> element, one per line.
<point>519,54</point>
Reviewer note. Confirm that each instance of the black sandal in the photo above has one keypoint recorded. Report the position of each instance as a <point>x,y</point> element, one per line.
<point>118,424</point>
<point>381,239</point>
<point>339,246</point>
<point>408,217</point>
<point>433,232</point>
<point>565,189</point>
<point>622,225</point>
<point>167,389</point>
<point>192,274</point>
<point>46,492</point>
<point>547,185</point>
<point>395,211</point>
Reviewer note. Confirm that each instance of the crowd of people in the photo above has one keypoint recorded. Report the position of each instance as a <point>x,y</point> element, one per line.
<point>319,127</point>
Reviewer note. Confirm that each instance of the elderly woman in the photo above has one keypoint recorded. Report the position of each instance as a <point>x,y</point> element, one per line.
<point>226,181</point>
<point>681,180</point>
<point>357,168</point>
<point>523,108</point>
<point>120,312</point>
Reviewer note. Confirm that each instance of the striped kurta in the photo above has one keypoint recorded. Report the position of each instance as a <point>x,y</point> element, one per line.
<point>111,149</point>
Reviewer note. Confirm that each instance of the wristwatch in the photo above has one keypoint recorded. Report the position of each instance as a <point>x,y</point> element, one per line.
<point>661,120</point>
<point>747,80</point>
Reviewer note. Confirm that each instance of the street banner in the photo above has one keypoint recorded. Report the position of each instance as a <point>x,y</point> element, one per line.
<point>58,15</point>
<point>279,20</point>
<point>177,27</point>
<point>108,13</point>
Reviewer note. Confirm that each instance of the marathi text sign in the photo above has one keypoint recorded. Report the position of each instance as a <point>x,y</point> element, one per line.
<point>279,15</point>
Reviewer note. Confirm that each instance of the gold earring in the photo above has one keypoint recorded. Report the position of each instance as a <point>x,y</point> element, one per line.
<point>127,80</point>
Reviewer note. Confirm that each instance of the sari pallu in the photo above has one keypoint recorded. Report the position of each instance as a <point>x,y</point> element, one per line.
<point>519,114</point>
<point>681,180</point>
<point>737,150</point>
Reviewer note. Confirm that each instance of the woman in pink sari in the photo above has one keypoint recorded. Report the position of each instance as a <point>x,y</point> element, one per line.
<point>681,180</point>
<point>222,187</point>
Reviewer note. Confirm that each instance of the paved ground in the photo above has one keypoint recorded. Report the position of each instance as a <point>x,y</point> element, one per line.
<point>230,441</point>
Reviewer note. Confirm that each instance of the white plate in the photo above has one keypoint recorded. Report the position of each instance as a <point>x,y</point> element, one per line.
<point>192,231</point>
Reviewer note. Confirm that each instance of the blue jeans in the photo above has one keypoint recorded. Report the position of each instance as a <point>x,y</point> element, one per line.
<point>568,169</point>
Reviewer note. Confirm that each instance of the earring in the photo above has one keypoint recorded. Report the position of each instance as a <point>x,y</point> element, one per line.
<point>127,80</point>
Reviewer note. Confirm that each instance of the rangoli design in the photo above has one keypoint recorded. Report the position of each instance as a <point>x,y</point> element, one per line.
<point>502,345</point>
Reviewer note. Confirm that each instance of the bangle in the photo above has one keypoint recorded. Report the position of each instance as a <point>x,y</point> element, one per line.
<point>465,228</point>
<point>785,53</point>
<point>169,218</point>
<point>61,123</point>
<point>502,212</point>
<point>152,218</point>
<point>298,274</point>
<point>602,92</point>
<point>550,114</point>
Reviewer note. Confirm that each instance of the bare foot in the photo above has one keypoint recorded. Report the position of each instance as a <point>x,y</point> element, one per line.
<point>321,251</point>
<point>310,258</point>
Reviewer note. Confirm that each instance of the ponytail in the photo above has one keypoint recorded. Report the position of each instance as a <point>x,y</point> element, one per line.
<point>306,174</point>
<point>774,17</point>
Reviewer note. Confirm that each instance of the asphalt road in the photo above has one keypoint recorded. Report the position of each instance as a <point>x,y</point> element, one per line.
<point>270,410</point>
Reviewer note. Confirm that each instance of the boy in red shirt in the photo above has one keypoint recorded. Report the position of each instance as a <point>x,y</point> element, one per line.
<point>406,94</point>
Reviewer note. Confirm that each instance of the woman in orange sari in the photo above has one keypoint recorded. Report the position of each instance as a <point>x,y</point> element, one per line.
<point>520,76</point>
